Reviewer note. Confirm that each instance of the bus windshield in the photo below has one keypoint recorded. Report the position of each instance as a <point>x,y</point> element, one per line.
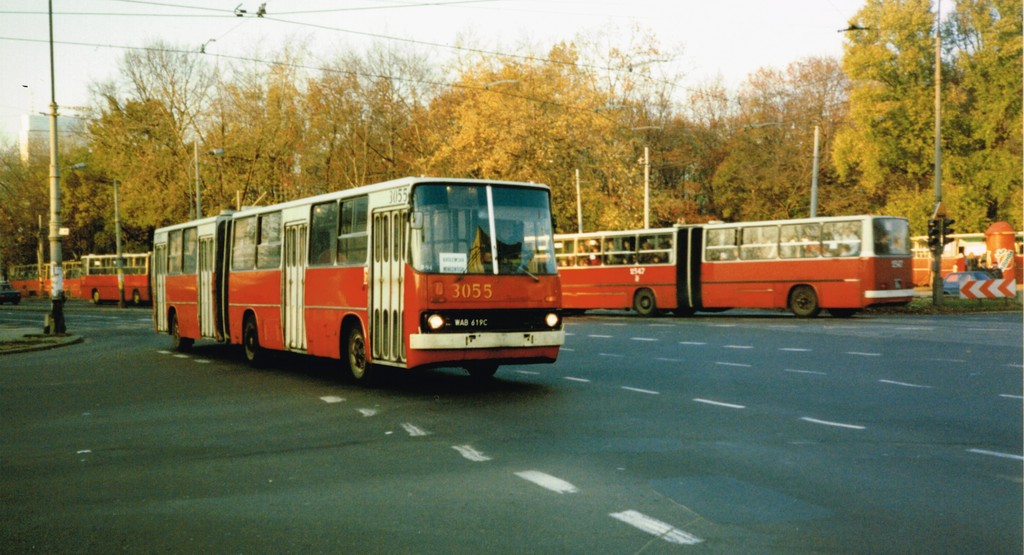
<point>481,229</point>
<point>892,236</point>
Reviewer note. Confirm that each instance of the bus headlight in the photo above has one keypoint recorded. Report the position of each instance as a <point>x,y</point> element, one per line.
<point>551,320</point>
<point>435,322</point>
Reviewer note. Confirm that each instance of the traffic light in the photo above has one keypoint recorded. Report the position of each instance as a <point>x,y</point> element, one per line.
<point>934,234</point>
<point>947,230</point>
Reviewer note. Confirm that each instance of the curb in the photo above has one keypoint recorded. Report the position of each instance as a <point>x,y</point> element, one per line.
<point>44,345</point>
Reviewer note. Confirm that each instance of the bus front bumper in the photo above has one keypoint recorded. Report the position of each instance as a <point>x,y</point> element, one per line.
<point>491,340</point>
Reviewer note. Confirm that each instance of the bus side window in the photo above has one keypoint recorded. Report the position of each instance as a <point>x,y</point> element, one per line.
<point>268,249</point>
<point>760,243</point>
<point>191,248</point>
<point>721,245</point>
<point>841,238</point>
<point>352,236</point>
<point>243,246</point>
<point>323,234</point>
<point>655,249</point>
<point>173,256</point>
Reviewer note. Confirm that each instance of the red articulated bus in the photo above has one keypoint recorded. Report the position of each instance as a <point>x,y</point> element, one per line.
<point>99,279</point>
<point>416,272</point>
<point>842,264</point>
<point>26,278</point>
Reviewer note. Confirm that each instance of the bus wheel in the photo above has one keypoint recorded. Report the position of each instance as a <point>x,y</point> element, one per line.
<point>95,296</point>
<point>178,342</point>
<point>643,303</point>
<point>251,342</point>
<point>136,298</point>
<point>842,312</point>
<point>804,302</point>
<point>354,355</point>
<point>482,371</point>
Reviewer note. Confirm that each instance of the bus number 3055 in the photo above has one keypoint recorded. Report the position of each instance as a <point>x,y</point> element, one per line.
<point>472,291</point>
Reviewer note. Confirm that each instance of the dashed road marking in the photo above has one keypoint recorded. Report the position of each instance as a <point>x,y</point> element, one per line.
<point>527,372</point>
<point>905,384</point>
<point>1013,456</point>
<point>719,404</point>
<point>698,343</point>
<point>794,349</point>
<point>573,379</point>
<point>613,355</point>
<point>413,430</point>
<point>795,371</point>
<point>1008,396</point>
<point>599,336</point>
<point>638,390</point>
<point>734,364</point>
<point>642,339</point>
<point>833,424</point>
<point>367,412</point>
<point>332,399</point>
<point>738,347</point>
<point>656,527</point>
<point>547,481</point>
<point>860,354</point>
<point>470,453</point>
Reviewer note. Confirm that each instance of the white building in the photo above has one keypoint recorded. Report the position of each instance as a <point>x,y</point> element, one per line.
<point>34,137</point>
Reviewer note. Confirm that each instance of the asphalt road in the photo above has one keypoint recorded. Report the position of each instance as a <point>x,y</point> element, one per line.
<point>740,432</point>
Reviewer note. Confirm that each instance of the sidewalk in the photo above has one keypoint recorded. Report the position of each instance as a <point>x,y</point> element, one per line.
<point>20,340</point>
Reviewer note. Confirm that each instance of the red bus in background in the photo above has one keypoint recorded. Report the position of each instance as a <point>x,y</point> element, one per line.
<point>416,272</point>
<point>842,264</point>
<point>26,278</point>
<point>99,281</point>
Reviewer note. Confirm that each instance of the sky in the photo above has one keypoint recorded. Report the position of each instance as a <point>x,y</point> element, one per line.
<point>714,39</point>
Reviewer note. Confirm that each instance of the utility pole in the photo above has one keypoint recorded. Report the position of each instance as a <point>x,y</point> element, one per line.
<point>56,317</point>
<point>647,187</point>
<point>814,175</point>
<point>120,259</point>
<point>940,212</point>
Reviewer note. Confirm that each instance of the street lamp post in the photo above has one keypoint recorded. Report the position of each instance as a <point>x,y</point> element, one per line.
<point>55,324</point>
<point>937,250</point>
<point>117,239</point>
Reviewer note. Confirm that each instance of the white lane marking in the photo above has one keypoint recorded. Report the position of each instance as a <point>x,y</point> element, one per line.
<point>656,527</point>
<point>723,325</point>
<point>638,390</point>
<point>662,325</point>
<point>1010,396</point>
<point>332,399</point>
<point>860,354</point>
<point>470,453</point>
<point>738,347</point>
<point>164,352</point>
<point>567,350</point>
<point>180,356</point>
<point>547,481</point>
<point>581,380</point>
<point>599,336</point>
<point>735,364</point>
<point>795,350</point>
<point>527,372</point>
<point>613,355</point>
<point>719,404</point>
<point>804,372</point>
<point>692,343</point>
<point>642,339</point>
<point>905,384</point>
<point>997,454</point>
<point>668,359</point>
<point>835,424</point>
<point>203,361</point>
<point>83,451</point>
<point>367,412</point>
<point>413,430</point>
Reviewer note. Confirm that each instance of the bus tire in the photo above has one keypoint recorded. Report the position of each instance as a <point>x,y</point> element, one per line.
<point>95,296</point>
<point>644,303</point>
<point>803,301</point>
<point>178,342</point>
<point>254,354</point>
<point>842,312</point>
<point>353,355</point>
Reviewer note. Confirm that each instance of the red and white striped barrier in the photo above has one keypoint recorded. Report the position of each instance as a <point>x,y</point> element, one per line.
<point>988,289</point>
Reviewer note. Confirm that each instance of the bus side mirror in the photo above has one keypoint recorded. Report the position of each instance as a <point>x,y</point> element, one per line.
<point>416,219</point>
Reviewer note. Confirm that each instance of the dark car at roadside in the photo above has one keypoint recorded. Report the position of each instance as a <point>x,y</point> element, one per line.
<point>9,294</point>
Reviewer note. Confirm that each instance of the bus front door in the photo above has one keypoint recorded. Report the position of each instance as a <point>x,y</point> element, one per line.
<point>295,287</point>
<point>160,286</point>
<point>387,270</point>
<point>207,326</point>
